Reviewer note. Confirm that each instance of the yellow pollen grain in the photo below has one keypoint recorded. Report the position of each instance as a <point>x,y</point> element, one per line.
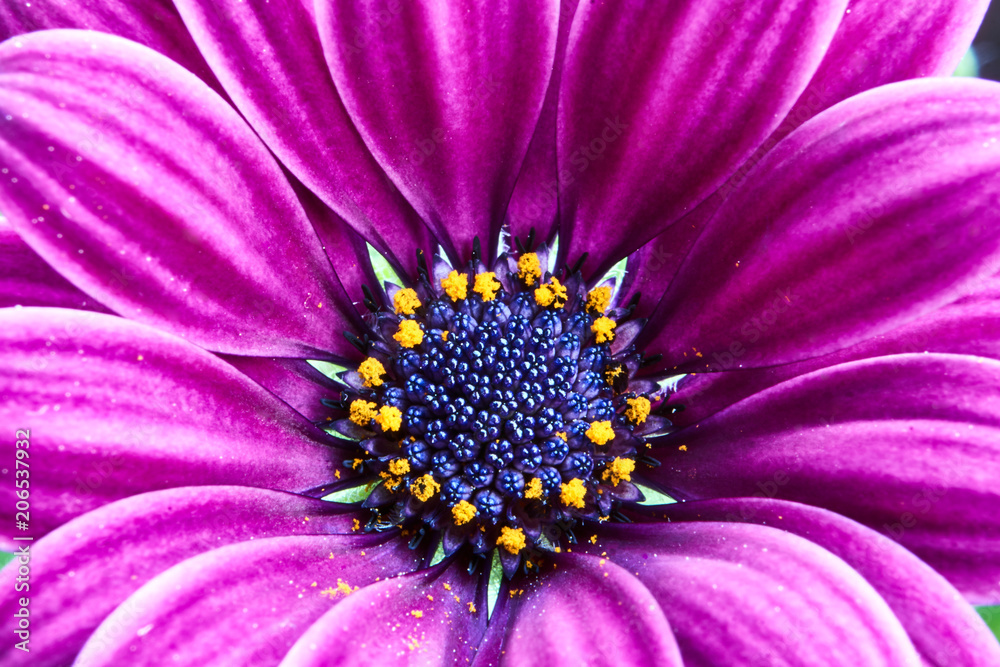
<point>417,613</point>
<point>511,539</point>
<point>593,539</point>
<point>551,294</point>
<point>604,328</point>
<point>409,334</point>
<point>356,463</point>
<point>371,371</point>
<point>683,448</point>
<point>355,526</point>
<point>447,587</point>
<point>572,493</point>
<point>345,588</point>
<point>362,412</point>
<point>618,470</point>
<point>638,409</point>
<point>534,489</point>
<point>598,300</point>
<point>444,335</point>
<point>528,268</point>
<point>463,512</point>
<point>456,285</point>
<point>611,374</point>
<point>424,488</point>
<point>406,301</point>
<point>562,435</point>
<point>472,607</point>
<point>487,285</point>
<point>389,418</point>
<point>600,433</point>
<point>399,466</point>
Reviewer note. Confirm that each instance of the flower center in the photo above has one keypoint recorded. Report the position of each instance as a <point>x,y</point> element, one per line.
<point>498,409</point>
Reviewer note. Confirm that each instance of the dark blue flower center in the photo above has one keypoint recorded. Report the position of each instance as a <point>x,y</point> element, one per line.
<point>498,409</point>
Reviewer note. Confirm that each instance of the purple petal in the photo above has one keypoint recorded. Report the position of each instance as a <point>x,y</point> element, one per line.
<point>153,23</point>
<point>244,604</point>
<point>413,619</point>
<point>108,554</point>
<point>116,408</point>
<point>26,280</point>
<point>158,199</point>
<point>866,217</point>
<point>662,101</point>
<point>269,58</point>
<point>944,628</point>
<point>554,618</point>
<point>907,445</point>
<point>738,594</point>
<point>292,380</point>
<point>447,98</point>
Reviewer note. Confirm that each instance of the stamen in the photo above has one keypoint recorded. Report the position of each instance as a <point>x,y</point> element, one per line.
<point>572,493</point>
<point>456,285</point>
<point>551,294</point>
<point>604,328</point>
<point>534,489</point>
<point>424,488</point>
<point>638,409</point>
<point>511,539</point>
<point>409,334</point>
<point>371,371</point>
<point>362,412</point>
<point>389,418</point>
<point>487,285</point>
<point>600,433</point>
<point>528,268</point>
<point>406,301</point>
<point>598,300</point>
<point>399,467</point>
<point>463,512</point>
<point>618,470</point>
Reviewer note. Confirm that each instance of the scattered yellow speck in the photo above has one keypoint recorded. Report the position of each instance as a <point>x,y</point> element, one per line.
<point>336,473</point>
<point>409,334</point>
<point>356,463</point>
<point>399,466</point>
<point>139,358</point>
<point>551,294</point>
<point>430,597</point>
<point>598,300</point>
<point>528,268</point>
<point>444,335</point>
<point>534,489</point>
<point>593,539</point>
<point>472,607</point>
<point>406,301</point>
<point>600,433</point>
<point>417,613</point>
<point>602,562</point>
<point>363,553</point>
<point>423,488</point>
<point>362,412</point>
<point>572,493</point>
<point>371,371</point>
<point>638,409</point>
<point>487,285</point>
<point>463,512</point>
<point>604,328</point>
<point>611,374</point>
<point>314,584</point>
<point>618,470</point>
<point>45,207</point>
<point>389,418</point>
<point>511,539</point>
<point>562,435</point>
<point>331,556</point>
<point>683,448</point>
<point>456,285</point>
<point>355,525</point>
<point>447,587</point>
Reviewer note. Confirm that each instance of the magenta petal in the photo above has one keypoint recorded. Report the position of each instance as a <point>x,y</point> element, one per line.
<point>292,380</point>
<point>116,408</point>
<point>412,619</point>
<point>908,445</point>
<point>738,594</point>
<point>662,101</point>
<point>106,555</point>
<point>837,234</point>
<point>269,58</point>
<point>169,210</point>
<point>588,611</point>
<point>944,628</point>
<point>447,97</point>
<point>152,23</point>
<point>26,280</point>
<point>244,604</point>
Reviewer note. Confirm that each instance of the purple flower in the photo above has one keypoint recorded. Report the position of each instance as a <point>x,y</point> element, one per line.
<point>799,220</point>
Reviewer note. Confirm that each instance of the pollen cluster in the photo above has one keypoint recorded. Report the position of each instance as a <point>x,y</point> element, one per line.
<point>500,415</point>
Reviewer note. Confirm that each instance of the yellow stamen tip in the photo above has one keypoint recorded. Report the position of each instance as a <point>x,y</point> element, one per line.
<point>528,268</point>
<point>424,488</point>
<point>572,493</point>
<point>598,299</point>
<point>399,467</point>
<point>362,412</point>
<point>551,294</point>
<point>389,418</point>
<point>638,409</point>
<point>463,512</point>
<point>406,301</point>
<point>562,435</point>
<point>604,327</point>
<point>534,489</point>
<point>409,334</point>
<point>371,371</point>
<point>618,470</point>
<point>456,285</point>
<point>511,539</point>
<point>487,286</point>
<point>600,433</point>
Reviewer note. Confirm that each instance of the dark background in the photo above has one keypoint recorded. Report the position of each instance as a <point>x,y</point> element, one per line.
<point>987,44</point>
